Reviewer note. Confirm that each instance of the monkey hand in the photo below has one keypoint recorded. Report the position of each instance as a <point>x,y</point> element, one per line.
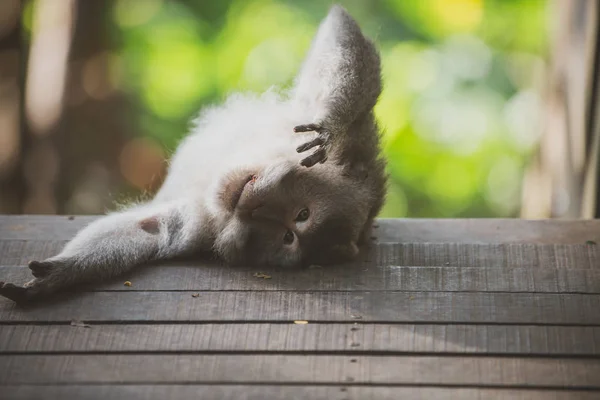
<point>322,142</point>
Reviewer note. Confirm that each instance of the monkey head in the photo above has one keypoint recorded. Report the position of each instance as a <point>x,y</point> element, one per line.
<point>287,215</point>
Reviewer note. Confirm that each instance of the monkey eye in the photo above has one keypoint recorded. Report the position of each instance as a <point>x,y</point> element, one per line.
<point>288,238</point>
<point>302,215</point>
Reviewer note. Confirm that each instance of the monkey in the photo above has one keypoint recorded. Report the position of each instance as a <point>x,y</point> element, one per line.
<point>283,178</point>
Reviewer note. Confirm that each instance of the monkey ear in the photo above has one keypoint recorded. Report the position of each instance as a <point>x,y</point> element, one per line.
<point>342,66</point>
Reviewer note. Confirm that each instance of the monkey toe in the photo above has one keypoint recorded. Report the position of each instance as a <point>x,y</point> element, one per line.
<point>15,293</point>
<point>40,269</point>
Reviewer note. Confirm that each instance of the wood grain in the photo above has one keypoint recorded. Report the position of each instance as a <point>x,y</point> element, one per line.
<point>20,252</point>
<point>34,227</point>
<point>41,227</point>
<point>506,308</point>
<point>503,308</point>
<point>262,392</point>
<point>401,338</point>
<point>506,255</point>
<point>485,230</point>
<point>132,368</point>
<point>458,255</point>
<point>351,278</point>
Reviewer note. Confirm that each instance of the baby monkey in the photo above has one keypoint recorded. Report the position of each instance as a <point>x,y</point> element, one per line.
<point>261,180</point>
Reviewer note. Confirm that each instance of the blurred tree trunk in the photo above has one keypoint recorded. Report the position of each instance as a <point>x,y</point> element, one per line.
<point>94,129</point>
<point>562,180</point>
<point>46,73</point>
<point>11,146</point>
<point>72,132</point>
<point>591,178</point>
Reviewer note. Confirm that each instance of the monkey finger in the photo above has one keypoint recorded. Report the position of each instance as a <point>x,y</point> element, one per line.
<point>319,156</point>
<point>307,128</point>
<point>309,145</point>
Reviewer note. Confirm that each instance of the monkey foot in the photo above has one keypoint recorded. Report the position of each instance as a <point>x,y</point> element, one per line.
<point>13,292</point>
<point>322,142</point>
<point>40,269</point>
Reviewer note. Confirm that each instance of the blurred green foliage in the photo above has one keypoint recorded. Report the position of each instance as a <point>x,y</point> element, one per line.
<point>460,106</point>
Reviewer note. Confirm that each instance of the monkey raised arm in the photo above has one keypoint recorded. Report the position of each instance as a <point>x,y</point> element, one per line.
<point>338,86</point>
<point>113,245</point>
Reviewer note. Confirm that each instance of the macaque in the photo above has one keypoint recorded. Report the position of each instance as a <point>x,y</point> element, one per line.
<point>270,180</point>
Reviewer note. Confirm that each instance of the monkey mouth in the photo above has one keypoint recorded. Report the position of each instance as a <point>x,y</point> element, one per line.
<point>234,189</point>
<point>238,195</point>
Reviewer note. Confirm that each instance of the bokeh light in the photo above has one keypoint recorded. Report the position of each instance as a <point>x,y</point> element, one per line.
<point>460,110</point>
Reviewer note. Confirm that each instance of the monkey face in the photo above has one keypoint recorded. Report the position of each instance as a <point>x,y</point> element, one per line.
<point>287,215</point>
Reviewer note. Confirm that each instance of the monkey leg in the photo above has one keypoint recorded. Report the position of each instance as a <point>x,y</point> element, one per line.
<point>113,245</point>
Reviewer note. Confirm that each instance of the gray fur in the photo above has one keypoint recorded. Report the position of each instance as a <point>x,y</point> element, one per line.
<point>244,202</point>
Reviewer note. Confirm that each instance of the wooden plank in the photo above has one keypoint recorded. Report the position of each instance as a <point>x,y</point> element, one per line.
<point>134,368</point>
<point>28,227</point>
<point>488,230</point>
<point>41,227</point>
<point>260,392</point>
<point>585,256</point>
<point>400,338</point>
<point>20,252</point>
<point>507,308</point>
<point>511,255</point>
<point>347,278</point>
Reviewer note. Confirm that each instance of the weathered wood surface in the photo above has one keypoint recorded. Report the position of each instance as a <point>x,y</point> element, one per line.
<point>507,255</point>
<point>281,392</point>
<point>445,309</point>
<point>353,278</point>
<point>277,368</point>
<point>326,338</point>
<point>34,227</point>
<point>240,306</point>
<point>393,278</point>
